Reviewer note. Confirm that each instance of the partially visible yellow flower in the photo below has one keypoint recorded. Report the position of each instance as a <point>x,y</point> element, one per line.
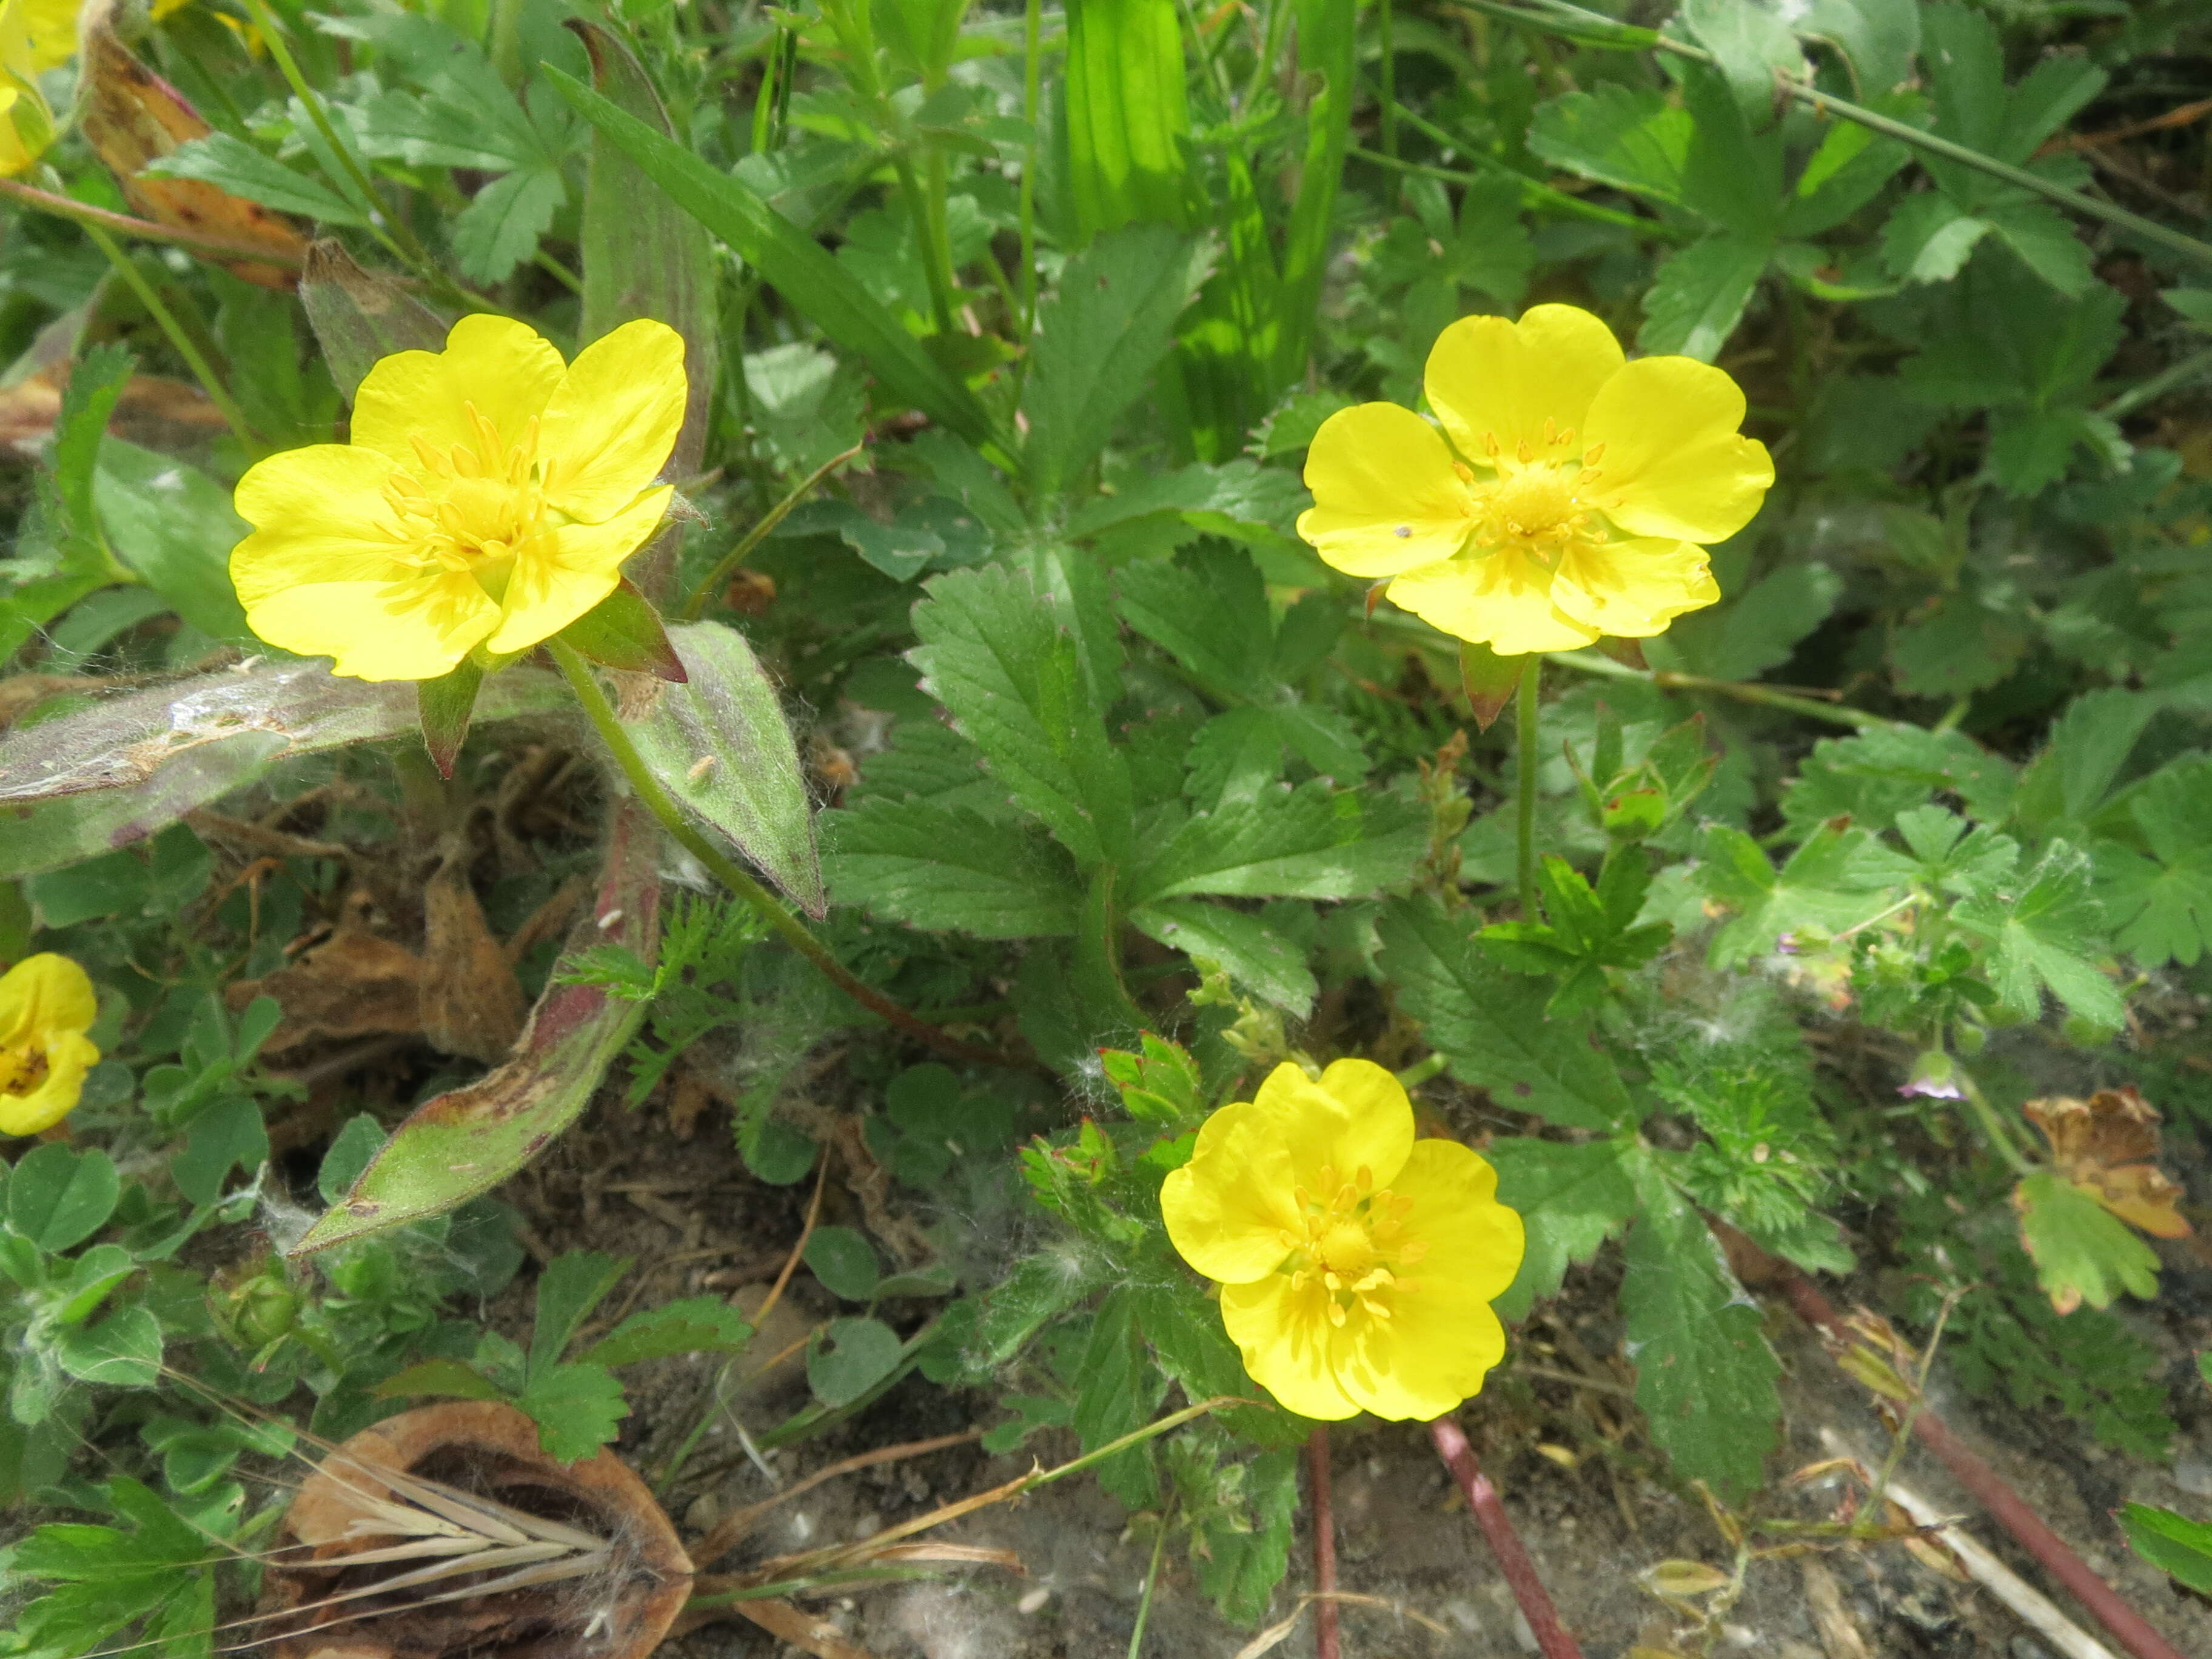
<point>1581,497</point>
<point>35,36</point>
<point>1357,1264</point>
<point>46,1006</point>
<point>488,499</point>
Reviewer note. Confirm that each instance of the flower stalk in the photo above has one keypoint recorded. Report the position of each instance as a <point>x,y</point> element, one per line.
<point>1524,804</point>
<point>1489,1511</point>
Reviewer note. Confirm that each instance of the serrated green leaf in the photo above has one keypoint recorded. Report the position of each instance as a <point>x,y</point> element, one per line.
<point>1100,336</point>
<point>2162,910</point>
<point>232,165</point>
<point>1824,885</point>
<point>448,1377</point>
<point>1571,1197</point>
<point>1874,775</point>
<point>1119,1390</point>
<point>2048,933</point>
<point>1001,660</point>
<point>1704,1375</point>
<point>1312,841</point>
<point>696,1324</point>
<point>1754,630</point>
<point>2082,1252</point>
<point>1753,45</point>
<point>948,869</point>
<point>1630,137</point>
<point>1240,1567</point>
<point>571,1286</point>
<point>501,226</point>
<point>1254,954</point>
<point>578,1408</point>
<point>1491,1026</point>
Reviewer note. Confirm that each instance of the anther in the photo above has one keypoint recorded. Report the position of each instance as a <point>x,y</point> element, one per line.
<point>1490,444</point>
<point>1336,1316</point>
<point>1550,433</point>
<point>1525,453</point>
<point>1594,454</point>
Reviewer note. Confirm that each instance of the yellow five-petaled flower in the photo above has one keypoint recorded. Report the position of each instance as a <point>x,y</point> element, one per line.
<point>488,499</point>
<point>46,1006</point>
<point>1576,497</point>
<point>1357,1264</point>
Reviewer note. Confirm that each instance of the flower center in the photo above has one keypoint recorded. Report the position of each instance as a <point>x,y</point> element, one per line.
<point>22,1070</point>
<point>475,507</point>
<point>1538,502</point>
<point>1350,1246</point>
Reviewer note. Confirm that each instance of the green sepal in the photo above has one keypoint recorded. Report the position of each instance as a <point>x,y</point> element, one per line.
<point>1491,680</point>
<point>446,704</point>
<point>1627,653</point>
<point>624,631</point>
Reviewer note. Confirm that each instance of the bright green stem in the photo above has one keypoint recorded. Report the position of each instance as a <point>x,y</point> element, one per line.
<point>936,257</point>
<point>2188,368</point>
<point>724,869</point>
<point>1592,662</point>
<point>399,239</point>
<point>1151,1575</point>
<point>1524,759</point>
<point>202,371</point>
<point>1533,192</point>
<point>1420,1072</point>
<point>753,537</point>
<point>1994,1128</point>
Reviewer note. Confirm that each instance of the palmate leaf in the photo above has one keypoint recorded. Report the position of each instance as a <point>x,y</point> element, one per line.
<point>2082,1252</point>
<point>1826,885</point>
<point>2047,932</point>
<point>2160,908</point>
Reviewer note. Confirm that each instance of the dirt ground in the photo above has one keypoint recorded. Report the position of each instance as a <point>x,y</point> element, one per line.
<point>696,1223</point>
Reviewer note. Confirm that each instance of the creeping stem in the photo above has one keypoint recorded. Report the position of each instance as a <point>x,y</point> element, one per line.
<point>726,870</point>
<point>1524,731</point>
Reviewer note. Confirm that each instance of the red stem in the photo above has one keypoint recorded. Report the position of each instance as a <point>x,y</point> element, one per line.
<point>2005,1505</point>
<point>1520,1572</point>
<point>1324,1534</point>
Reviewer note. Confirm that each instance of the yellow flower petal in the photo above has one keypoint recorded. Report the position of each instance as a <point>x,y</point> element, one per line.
<point>1286,1341</point>
<point>1672,462</point>
<point>37,35</point>
<point>319,515</point>
<point>609,424</point>
<point>1385,496</point>
<point>69,1056</point>
<point>1370,1125</point>
<point>1455,1212</point>
<point>417,630</point>
<point>1502,600</point>
<point>1489,378</point>
<point>1226,1209</point>
<point>1633,589</point>
<point>498,367</point>
<point>43,995</point>
<point>567,574</point>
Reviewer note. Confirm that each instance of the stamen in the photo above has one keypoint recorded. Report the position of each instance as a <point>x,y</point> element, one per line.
<point>1525,453</point>
<point>1490,445</point>
<point>1412,1253</point>
<point>1592,455</point>
<point>1336,1315</point>
<point>1567,437</point>
<point>1375,1309</point>
<point>1550,433</point>
<point>1366,1178</point>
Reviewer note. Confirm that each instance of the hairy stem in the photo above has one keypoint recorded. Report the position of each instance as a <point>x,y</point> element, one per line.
<point>725,870</point>
<point>202,371</point>
<point>1327,1644</point>
<point>1552,1637</point>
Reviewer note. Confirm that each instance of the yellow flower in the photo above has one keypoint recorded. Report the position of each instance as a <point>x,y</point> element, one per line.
<point>487,500</point>
<point>35,36</point>
<point>46,1006</point>
<point>1358,1265</point>
<point>1581,499</point>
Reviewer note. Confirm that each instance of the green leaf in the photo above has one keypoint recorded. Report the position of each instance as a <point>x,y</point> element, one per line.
<point>1241,1565</point>
<point>1875,775</point>
<point>845,1263</point>
<point>949,870</point>
<point>1099,337</point>
<point>1119,1390</point>
<point>1311,842</point>
<point>500,227</point>
<point>1126,113</point>
<point>1040,1288</point>
<point>2082,1252</point>
<point>1704,1374</point>
<point>2170,1542</point>
<point>447,1377</point>
<point>789,259</point>
<point>446,704</point>
<point>123,1350</point>
<point>2088,747</point>
<point>578,1408</point>
<point>719,742</point>
<point>571,1286</point>
<point>1754,630</point>
<point>851,1358</point>
<point>234,166</point>
<point>1585,931</point>
<point>1001,660</point>
<point>227,1135</point>
<point>1571,1197</point>
<point>1630,137</point>
<point>695,1324</point>
<point>1209,612</point>
<point>1825,886</point>
<point>1257,956</point>
<point>1754,47</point>
<point>1699,295</point>
<point>57,1198</point>
<point>2161,912</point>
<point>2048,933</point>
<point>60,535</point>
<point>173,525</point>
<point>1491,1024</point>
<point>1879,37</point>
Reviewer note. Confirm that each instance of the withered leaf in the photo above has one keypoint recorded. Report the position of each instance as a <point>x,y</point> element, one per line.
<point>2107,1145</point>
